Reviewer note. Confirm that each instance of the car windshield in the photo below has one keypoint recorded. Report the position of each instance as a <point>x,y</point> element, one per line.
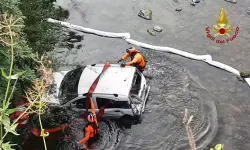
<point>69,85</point>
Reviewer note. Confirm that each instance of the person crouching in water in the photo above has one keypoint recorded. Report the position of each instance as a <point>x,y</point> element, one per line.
<point>91,129</point>
<point>137,59</point>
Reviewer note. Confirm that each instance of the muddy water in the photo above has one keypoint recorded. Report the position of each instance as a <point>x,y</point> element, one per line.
<point>218,101</point>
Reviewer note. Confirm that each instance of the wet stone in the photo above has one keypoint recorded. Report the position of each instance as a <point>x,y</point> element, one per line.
<point>151,32</point>
<point>146,14</point>
<point>196,1</point>
<point>157,28</point>
<point>192,3</point>
<point>231,1</point>
<point>244,74</point>
<point>178,9</point>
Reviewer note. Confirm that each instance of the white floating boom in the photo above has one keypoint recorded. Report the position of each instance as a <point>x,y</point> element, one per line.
<point>126,37</point>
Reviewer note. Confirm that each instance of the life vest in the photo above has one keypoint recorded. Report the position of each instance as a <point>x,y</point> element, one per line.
<point>137,65</point>
<point>94,126</point>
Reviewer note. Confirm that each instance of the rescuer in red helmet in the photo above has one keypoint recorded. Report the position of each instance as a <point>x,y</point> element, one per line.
<point>91,130</point>
<point>137,60</point>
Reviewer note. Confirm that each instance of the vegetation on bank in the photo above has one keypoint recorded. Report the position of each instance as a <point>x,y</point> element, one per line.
<point>25,37</point>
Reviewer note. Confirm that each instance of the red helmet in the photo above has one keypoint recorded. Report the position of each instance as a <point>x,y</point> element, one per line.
<point>132,50</point>
<point>91,117</point>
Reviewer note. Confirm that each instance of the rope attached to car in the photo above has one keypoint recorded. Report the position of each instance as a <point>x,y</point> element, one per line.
<point>94,84</point>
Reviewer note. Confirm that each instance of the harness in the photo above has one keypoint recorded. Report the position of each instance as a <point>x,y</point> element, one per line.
<point>94,126</point>
<point>93,86</point>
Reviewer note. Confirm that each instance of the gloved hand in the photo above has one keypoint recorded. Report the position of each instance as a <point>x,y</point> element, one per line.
<point>123,65</point>
<point>119,61</point>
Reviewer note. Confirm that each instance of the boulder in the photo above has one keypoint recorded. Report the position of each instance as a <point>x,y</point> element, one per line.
<point>151,32</point>
<point>231,1</point>
<point>244,74</point>
<point>146,14</point>
<point>192,3</point>
<point>178,9</point>
<point>196,1</point>
<point>157,28</point>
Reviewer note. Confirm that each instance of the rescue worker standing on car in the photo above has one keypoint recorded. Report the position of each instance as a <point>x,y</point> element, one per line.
<point>137,60</point>
<point>91,131</point>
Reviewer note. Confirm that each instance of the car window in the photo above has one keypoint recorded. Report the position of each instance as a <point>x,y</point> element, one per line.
<point>81,103</point>
<point>113,104</point>
<point>69,85</point>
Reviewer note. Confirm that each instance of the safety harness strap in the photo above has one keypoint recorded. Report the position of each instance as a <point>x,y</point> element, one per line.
<point>94,84</point>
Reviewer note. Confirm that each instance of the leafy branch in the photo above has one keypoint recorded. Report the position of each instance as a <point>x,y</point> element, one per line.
<point>7,38</point>
<point>34,95</point>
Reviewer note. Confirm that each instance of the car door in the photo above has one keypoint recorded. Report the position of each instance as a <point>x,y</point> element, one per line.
<point>112,110</point>
<point>137,104</point>
<point>143,84</point>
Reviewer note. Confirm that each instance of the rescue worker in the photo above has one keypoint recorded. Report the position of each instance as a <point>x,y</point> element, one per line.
<point>137,59</point>
<point>91,130</point>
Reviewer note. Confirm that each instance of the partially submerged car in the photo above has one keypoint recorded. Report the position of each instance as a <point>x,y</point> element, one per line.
<point>125,88</point>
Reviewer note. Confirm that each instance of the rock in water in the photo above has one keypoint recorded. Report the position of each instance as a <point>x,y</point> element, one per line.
<point>157,28</point>
<point>151,32</point>
<point>196,1</point>
<point>176,1</point>
<point>192,3</point>
<point>146,14</point>
<point>231,1</point>
<point>178,9</point>
<point>244,74</point>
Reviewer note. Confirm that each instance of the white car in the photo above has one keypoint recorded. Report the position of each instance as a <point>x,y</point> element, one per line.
<point>125,87</point>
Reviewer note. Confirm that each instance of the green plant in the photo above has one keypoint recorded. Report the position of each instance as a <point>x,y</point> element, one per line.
<point>7,38</point>
<point>217,147</point>
<point>41,35</point>
<point>34,95</point>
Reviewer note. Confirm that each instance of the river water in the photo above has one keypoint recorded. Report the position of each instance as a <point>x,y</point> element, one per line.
<point>217,100</point>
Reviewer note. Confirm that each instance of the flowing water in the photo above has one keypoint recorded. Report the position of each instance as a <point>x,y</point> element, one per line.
<point>218,102</point>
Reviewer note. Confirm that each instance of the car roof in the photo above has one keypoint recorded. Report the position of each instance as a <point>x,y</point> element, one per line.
<point>115,80</point>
